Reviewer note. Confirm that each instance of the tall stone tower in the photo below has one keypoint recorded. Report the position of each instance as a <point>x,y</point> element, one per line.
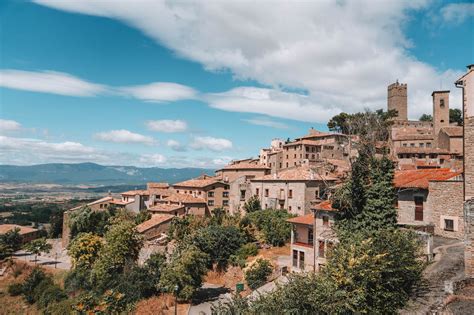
<point>440,111</point>
<point>397,100</point>
<point>466,82</point>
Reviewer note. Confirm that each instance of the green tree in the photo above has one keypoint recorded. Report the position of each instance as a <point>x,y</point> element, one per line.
<point>252,205</point>
<point>85,220</point>
<point>142,216</point>
<point>185,272</point>
<point>219,242</point>
<point>10,242</point>
<point>340,123</point>
<point>257,274</point>
<point>122,246</point>
<point>426,117</point>
<point>272,224</point>
<point>56,223</point>
<point>455,116</point>
<point>38,246</point>
<point>84,249</point>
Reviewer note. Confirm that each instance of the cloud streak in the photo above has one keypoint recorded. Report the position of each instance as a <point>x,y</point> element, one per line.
<point>124,136</point>
<point>168,126</point>
<point>211,144</point>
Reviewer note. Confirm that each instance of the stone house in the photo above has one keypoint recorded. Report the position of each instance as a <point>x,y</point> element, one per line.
<point>212,189</point>
<point>27,233</point>
<point>312,237</point>
<point>293,189</point>
<point>155,226</point>
<point>431,197</point>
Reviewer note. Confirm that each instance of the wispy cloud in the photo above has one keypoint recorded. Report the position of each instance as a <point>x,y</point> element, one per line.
<point>9,125</point>
<point>160,92</point>
<point>150,160</point>
<point>457,13</point>
<point>123,136</point>
<point>49,82</point>
<point>175,145</point>
<point>266,122</point>
<point>211,143</point>
<point>168,126</point>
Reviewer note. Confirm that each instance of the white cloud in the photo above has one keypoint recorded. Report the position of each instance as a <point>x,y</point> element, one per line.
<point>266,122</point>
<point>150,160</point>
<point>9,125</point>
<point>210,143</point>
<point>49,82</point>
<point>165,125</point>
<point>341,66</point>
<point>123,136</point>
<point>160,92</point>
<point>457,13</point>
<point>175,145</point>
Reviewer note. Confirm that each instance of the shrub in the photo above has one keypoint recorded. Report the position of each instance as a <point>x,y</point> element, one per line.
<point>15,289</point>
<point>86,220</point>
<point>247,250</point>
<point>273,225</point>
<point>31,282</point>
<point>84,249</point>
<point>49,294</point>
<point>257,274</point>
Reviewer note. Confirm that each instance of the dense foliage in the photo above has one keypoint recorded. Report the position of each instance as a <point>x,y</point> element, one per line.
<point>257,274</point>
<point>38,246</point>
<point>84,249</point>
<point>252,205</point>
<point>10,242</point>
<point>455,116</point>
<point>272,225</point>
<point>86,220</point>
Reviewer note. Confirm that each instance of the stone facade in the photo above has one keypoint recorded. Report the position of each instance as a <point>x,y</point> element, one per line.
<point>440,110</point>
<point>397,100</point>
<point>406,207</point>
<point>445,204</point>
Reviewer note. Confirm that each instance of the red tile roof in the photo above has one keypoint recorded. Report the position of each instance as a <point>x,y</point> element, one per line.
<point>200,182</point>
<point>245,166</point>
<point>141,192</point>
<point>326,205</point>
<point>305,219</point>
<point>4,228</point>
<point>184,198</point>
<point>420,178</point>
<point>453,131</point>
<point>299,173</point>
<point>163,207</point>
<point>157,185</point>
<point>155,220</point>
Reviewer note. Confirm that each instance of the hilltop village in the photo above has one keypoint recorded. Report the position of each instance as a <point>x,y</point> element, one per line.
<point>433,181</point>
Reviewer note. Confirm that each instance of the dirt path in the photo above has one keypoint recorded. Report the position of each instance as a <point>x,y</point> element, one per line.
<point>448,266</point>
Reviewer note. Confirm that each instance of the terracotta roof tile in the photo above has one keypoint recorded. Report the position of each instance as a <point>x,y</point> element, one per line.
<point>299,173</point>
<point>155,220</point>
<point>199,182</point>
<point>326,205</point>
<point>305,219</point>
<point>420,178</point>
<point>141,192</point>
<point>151,185</point>
<point>184,198</point>
<point>244,166</point>
<point>453,131</point>
<point>4,228</point>
<point>163,207</point>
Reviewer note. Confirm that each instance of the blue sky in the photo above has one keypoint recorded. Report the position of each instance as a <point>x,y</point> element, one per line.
<point>150,83</point>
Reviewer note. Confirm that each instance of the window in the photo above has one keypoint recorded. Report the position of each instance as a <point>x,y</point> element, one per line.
<point>280,165</point>
<point>325,220</point>
<point>442,120</point>
<point>441,103</point>
<point>422,145</point>
<point>302,260</point>
<point>210,194</point>
<point>266,192</point>
<point>287,156</point>
<point>428,144</point>
<point>257,191</point>
<point>310,236</point>
<point>210,202</point>
<point>448,225</point>
<point>289,208</point>
<point>225,203</point>
<point>321,249</point>
<point>295,156</point>
<point>405,145</point>
<point>290,193</point>
<point>286,164</point>
<point>418,208</point>
<point>266,206</point>
<point>242,195</point>
<point>225,194</point>
<point>412,145</point>
<point>307,156</point>
<point>295,258</point>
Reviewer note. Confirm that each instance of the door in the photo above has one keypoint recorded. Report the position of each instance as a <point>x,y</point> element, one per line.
<point>418,208</point>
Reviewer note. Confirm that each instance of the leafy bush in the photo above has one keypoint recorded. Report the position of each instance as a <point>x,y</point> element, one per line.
<point>247,250</point>
<point>77,279</point>
<point>84,249</point>
<point>273,225</point>
<point>31,282</point>
<point>15,289</point>
<point>49,293</point>
<point>219,242</point>
<point>86,220</point>
<point>257,274</point>
<point>252,205</point>
<point>142,216</point>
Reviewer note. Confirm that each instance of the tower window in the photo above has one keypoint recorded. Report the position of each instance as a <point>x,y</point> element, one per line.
<point>441,103</point>
<point>442,120</point>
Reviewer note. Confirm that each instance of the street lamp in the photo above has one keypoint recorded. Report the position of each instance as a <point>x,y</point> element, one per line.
<point>176,288</point>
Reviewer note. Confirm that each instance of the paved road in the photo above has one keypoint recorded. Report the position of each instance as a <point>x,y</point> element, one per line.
<point>60,262</point>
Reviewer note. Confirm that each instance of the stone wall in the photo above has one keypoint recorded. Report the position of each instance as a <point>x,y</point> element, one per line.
<point>469,157</point>
<point>406,206</point>
<point>445,202</point>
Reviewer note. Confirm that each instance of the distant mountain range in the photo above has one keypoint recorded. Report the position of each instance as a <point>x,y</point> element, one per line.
<point>95,174</point>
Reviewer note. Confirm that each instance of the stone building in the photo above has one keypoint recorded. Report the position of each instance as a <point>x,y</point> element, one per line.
<point>466,82</point>
<point>397,100</point>
<point>431,198</point>
<point>155,227</point>
<point>293,189</point>
<point>27,233</point>
<point>312,237</point>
